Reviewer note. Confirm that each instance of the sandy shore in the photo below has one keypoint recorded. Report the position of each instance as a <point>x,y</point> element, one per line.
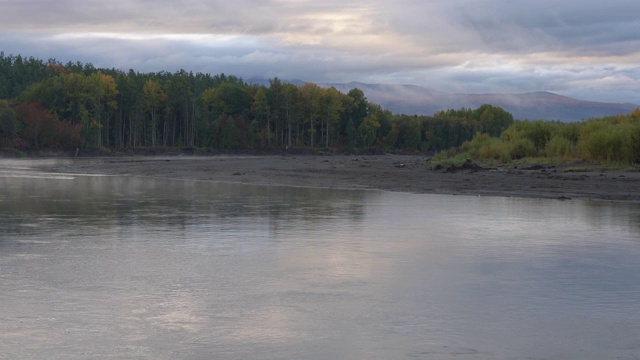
<point>412,174</point>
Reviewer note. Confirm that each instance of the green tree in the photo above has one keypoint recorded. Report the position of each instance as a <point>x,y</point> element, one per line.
<point>153,99</point>
<point>350,134</point>
<point>333,106</point>
<point>232,99</point>
<point>359,104</point>
<point>103,92</point>
<point>275,95</point>
<point>368,129</point>
<point>225,107</point>
<point>494,119</point>
<point>129,126</point>
<point>290,96</point>
<point>261,112</point>
<point>409,132</point>
<point>179,94</point>
<point>310,99</point>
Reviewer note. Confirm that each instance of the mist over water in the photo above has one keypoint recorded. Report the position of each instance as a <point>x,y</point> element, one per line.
<point>126,267</point>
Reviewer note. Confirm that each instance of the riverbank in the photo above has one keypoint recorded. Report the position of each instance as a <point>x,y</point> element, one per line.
<point>404,173</point>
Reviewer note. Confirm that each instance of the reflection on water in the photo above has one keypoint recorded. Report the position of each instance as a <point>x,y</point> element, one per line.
<point>122,267</point>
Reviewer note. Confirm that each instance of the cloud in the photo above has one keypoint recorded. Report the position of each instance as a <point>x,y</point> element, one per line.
<point>462,45</point>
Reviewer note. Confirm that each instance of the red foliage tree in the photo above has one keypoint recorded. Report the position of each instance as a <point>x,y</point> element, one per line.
<point>42,130</point>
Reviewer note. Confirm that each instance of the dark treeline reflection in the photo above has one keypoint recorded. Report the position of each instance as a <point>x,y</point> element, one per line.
<point>602,214</point>
<point>106,201</point>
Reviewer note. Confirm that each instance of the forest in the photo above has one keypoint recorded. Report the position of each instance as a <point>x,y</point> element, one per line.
<point>50,105</point>
<point>76,107</point>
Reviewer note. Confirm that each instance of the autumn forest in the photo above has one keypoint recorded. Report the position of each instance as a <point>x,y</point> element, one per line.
<point>50,105</point>
<point>47,105</point>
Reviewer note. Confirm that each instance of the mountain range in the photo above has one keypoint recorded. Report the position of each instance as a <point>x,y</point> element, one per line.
<point>411,99</point>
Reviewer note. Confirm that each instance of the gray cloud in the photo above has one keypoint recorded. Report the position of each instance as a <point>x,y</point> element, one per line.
<point>588,48</point>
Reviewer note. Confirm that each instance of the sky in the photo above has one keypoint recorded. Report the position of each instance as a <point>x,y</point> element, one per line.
<point>589,49</point>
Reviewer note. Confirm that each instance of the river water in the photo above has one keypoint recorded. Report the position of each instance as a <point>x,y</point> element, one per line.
<point>126,267</point>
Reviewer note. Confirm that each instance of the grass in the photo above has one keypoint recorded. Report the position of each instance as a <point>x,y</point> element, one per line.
<point>621,167</point>
<point>444,159</point>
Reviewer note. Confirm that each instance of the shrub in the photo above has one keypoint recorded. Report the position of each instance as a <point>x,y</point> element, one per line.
<point>483,146</point>
<point>522,148</point>
<point>473,145</point>
<point>607,142</point>
<point>559,146</point>
<point>537,132</point>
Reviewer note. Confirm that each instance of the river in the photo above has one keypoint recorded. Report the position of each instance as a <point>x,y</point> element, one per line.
<point>128,267</point>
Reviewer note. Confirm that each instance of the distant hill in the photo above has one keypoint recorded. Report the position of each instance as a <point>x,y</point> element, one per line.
<point>411,99</point>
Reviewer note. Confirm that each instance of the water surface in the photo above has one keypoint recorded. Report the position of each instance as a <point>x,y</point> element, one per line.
<point>125,267</point>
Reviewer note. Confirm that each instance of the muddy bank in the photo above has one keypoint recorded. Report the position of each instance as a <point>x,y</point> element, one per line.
<point>405,173</point>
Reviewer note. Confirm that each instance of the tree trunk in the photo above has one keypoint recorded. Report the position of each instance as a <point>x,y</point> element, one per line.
<point>194,128</point>
<point>327,134</point>
<point>153,127</point>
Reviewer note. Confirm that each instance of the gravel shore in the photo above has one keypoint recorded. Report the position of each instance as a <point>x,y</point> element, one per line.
<point>404,173</point>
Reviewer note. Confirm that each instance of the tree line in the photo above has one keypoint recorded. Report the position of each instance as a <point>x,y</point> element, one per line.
<point>609,140</point>
<point>50,105</point>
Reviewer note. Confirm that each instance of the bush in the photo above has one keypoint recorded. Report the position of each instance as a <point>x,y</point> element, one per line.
<point>609,140</point>
<point>483,146</point>
<point>559,147</point>
<point>613,143</point>
<point>537,132</point>
<point>522,148</point>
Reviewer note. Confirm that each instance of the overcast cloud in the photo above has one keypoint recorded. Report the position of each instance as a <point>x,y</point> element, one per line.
<point>584,48</point>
